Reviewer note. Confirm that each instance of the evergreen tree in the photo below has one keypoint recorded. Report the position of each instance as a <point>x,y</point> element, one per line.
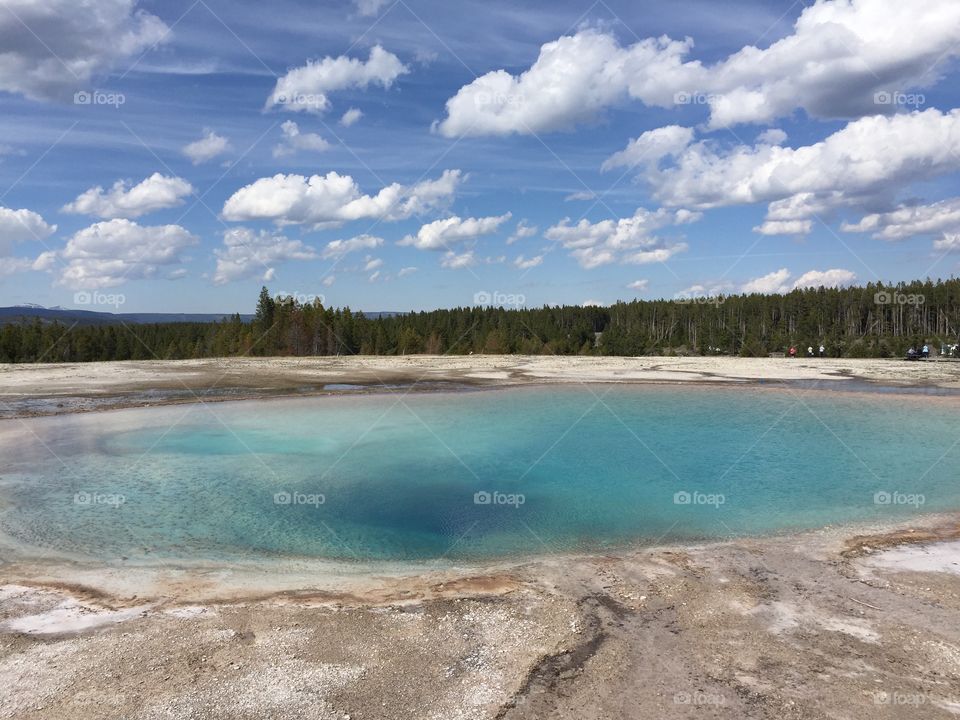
<point>872,321</point>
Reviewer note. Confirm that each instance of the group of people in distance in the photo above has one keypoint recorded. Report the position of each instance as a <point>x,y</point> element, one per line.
<point>912,353</point>
<point>793,351</point>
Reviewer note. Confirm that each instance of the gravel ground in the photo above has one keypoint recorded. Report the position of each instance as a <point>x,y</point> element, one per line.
<point>27,390</point>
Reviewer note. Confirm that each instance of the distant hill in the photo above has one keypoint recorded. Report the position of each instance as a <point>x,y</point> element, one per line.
<point>19,313</point>
<point>91,317</point>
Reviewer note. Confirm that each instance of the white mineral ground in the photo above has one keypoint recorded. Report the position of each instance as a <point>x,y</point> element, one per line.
<point>842,622</point>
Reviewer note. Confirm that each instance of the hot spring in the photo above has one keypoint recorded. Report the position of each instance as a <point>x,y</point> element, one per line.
<point>469,475</point>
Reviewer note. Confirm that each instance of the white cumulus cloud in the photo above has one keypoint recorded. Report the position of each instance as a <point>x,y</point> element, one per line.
<point>14,265</point>
<point>651,147</point>
<point>910,220</point>
<point>785,227</point>
<point>455,261</point>
<point>522,231</point>
<point>844,59</point>
<point>864,162</point>
<point>307,88</point>
<point>626,240</point>
<point>351,117</point>
<point>825,278</point>
<point>442,234</point>
<point>247,253</point>
<point>206,148</point>
<point>949,243</point>
<point>572,80</point>
<point>294,141</point>
<point>17,226</point>
<point>332,199</point>
<point>156,192</point>
<point>116,251</point>
<point>778,281</point>
<point>53,48</point>
<point>339,248</point>
<point>774,282</point>
<point>526,263</point>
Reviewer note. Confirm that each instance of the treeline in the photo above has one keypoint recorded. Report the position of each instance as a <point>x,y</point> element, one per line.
<point>871,321</point>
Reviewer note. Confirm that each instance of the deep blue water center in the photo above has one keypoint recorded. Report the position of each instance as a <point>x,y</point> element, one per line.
<point>470,475</point>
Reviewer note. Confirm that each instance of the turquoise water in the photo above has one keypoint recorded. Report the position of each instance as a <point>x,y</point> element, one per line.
<point>403,477</point>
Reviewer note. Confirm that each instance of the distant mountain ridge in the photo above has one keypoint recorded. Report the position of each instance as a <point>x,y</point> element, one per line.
<point>94,317</point>
<point>67,316</point>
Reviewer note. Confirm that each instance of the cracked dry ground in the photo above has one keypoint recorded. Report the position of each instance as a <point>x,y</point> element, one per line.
<point>780,628</point>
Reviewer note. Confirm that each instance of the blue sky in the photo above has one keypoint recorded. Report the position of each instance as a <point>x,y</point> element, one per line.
<point>644,150</point>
